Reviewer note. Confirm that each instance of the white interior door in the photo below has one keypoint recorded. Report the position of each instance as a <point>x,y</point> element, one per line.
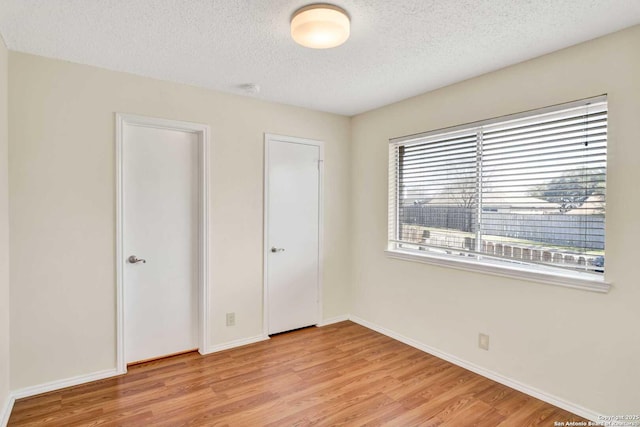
<point>293,196</point>
<point>160,226</point>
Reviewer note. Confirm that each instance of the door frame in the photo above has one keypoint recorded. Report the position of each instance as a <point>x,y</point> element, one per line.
<point>268,138</point>
<point>203,132</point>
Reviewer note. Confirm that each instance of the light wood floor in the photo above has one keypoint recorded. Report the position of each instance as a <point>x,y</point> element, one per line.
<point>343,374</point>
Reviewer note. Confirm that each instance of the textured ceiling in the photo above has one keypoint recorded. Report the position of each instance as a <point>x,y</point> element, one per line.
<point>397,49</point>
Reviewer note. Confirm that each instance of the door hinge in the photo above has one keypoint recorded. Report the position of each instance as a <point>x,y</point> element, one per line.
<point>319,163</point>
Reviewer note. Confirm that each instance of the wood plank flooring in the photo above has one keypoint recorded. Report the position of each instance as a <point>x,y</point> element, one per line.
<point>338,375</point>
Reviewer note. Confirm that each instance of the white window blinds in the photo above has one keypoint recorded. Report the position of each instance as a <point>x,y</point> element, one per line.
<point>526,189</point>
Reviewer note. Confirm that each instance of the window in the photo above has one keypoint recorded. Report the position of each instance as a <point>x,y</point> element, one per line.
<point>523,194</point>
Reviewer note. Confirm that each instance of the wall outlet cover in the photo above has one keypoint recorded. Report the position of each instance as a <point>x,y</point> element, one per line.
<point>483,341</point>
<point>231,319</point>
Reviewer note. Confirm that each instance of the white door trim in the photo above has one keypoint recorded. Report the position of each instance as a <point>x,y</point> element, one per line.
<point>268,137</point>
<point>203,132</point>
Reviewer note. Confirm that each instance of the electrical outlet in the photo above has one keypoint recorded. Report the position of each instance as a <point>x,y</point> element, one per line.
<point>231,319</point>
<point>483,341</point>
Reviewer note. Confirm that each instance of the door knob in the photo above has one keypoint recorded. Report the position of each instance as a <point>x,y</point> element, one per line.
<point>134,260</point>
<point>274,249</point>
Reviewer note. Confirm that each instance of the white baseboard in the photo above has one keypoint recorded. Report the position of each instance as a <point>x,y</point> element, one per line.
<point>81,379</point>
<point>236,343</point>
<point>6,411</point>
<point>332,320</point>
<point>57,385</point>
<point>524,388</point>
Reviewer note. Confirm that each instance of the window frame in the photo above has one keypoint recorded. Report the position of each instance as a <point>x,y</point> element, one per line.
<point>504,268</point>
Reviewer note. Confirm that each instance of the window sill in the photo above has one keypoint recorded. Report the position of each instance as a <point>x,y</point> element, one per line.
<point>565,279</point>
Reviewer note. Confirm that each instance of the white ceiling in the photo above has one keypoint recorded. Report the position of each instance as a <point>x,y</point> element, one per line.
<point>398,48</point>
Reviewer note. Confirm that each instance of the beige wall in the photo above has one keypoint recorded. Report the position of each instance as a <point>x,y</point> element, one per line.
<point>580,346</point>
<point>4,232</point>
<point>63,208</point>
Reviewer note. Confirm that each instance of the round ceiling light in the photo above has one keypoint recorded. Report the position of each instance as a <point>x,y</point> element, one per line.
<point>320,26</point>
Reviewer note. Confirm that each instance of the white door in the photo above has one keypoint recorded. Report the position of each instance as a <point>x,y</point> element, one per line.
<point>293,196</point>
<point>160,229</point>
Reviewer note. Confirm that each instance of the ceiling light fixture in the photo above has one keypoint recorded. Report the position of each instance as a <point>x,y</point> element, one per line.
<point>320,26</point>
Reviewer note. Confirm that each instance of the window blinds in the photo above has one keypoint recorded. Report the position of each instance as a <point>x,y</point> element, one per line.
<point>526,189</point>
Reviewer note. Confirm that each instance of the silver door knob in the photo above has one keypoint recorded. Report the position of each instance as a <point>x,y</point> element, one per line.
<point>134,260</point>
<point>274,249</point>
